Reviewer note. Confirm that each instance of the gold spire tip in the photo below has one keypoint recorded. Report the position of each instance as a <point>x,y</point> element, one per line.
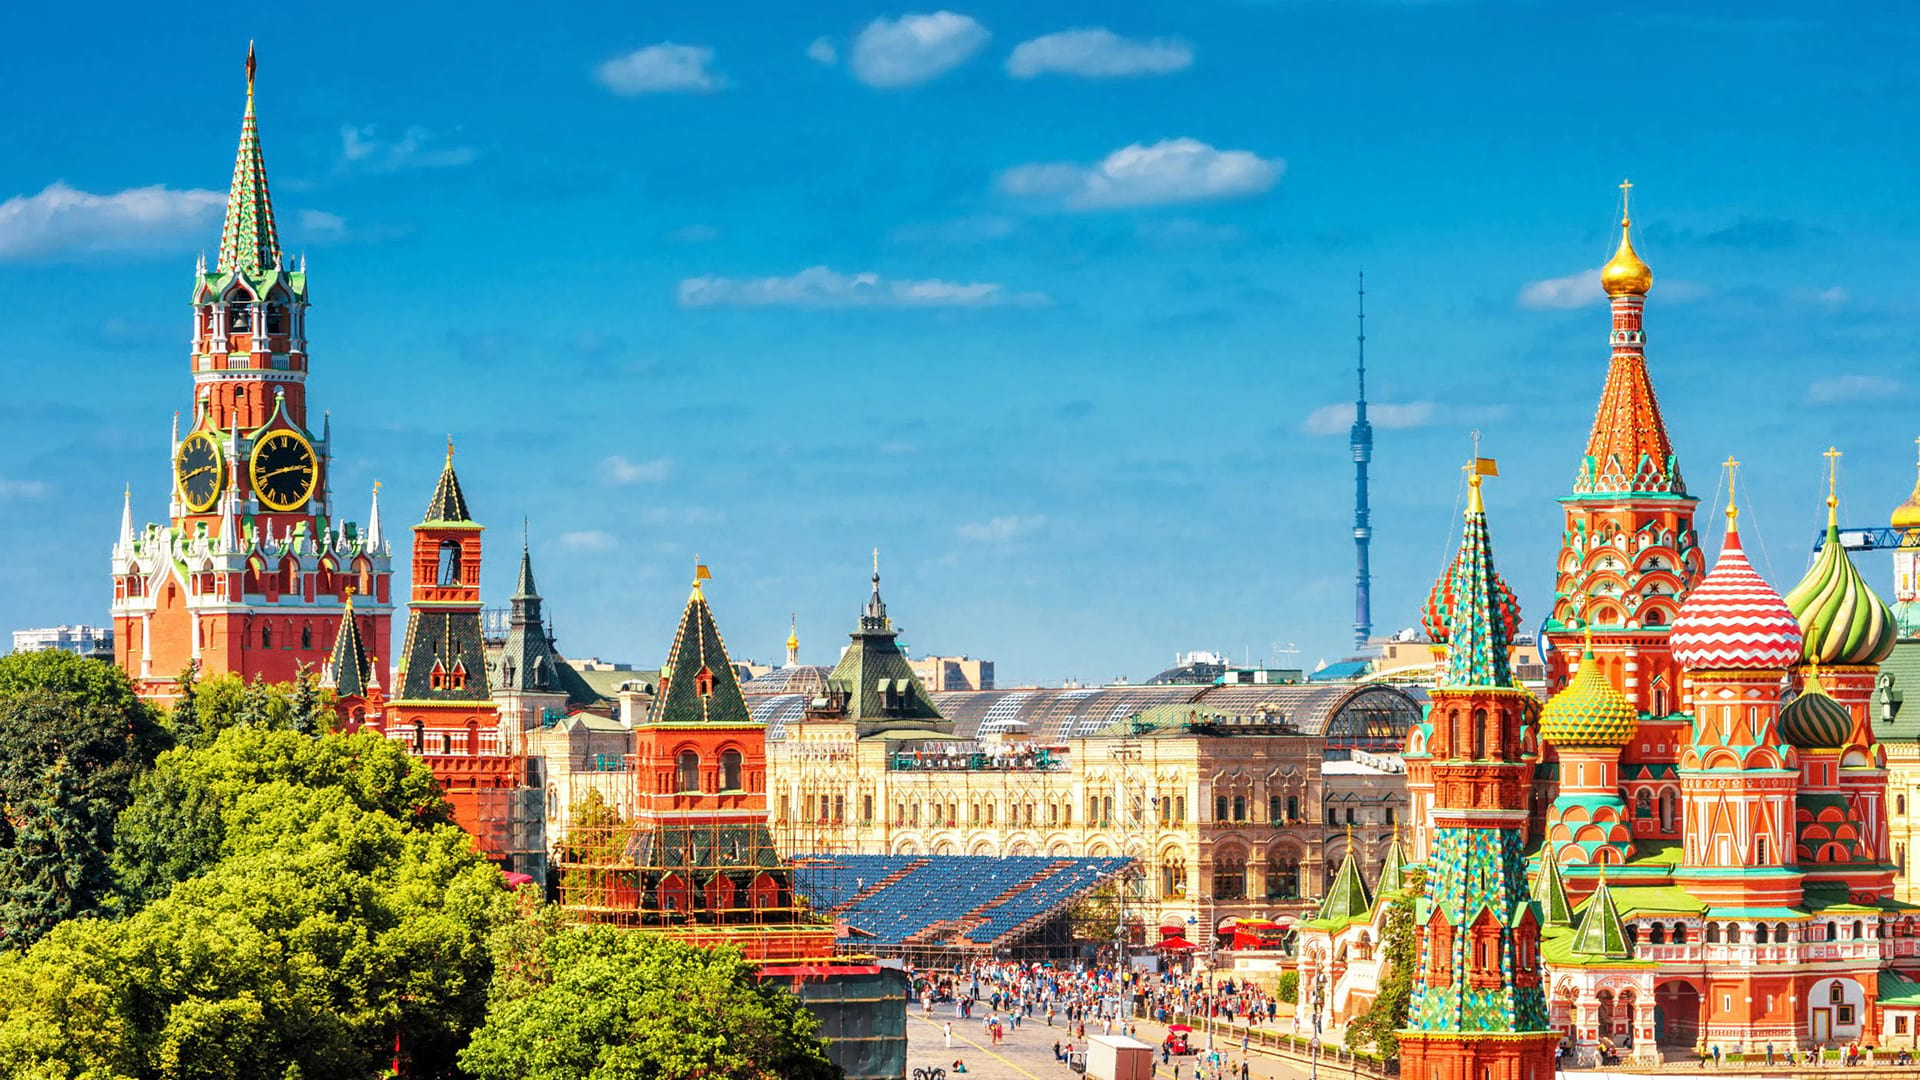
<point>252,64</point>
<point>1833,455</point>
<point>449,451</point>
<point>1732,465</point>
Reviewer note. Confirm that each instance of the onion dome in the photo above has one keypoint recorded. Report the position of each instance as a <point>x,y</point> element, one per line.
<point>1626,274</point>
<point>1907,514</point>
<point>1589,711</point>
<point>1435,613</point>
<point>1841,619</point>
<point>1815,721</point>
<point>1733,620</point>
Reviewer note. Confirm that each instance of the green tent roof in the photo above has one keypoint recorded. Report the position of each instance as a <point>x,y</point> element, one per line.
<point>697,683</point>
<point>1601,933</point>
<point>1551,891</point>
<point>1348,897</point>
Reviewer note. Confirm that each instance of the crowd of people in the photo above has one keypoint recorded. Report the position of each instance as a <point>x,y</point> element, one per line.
<point>1003,996</point>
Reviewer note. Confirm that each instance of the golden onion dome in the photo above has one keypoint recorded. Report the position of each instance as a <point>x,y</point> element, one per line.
<point>1589,711</point>
<point>1907,514</point>
<point>1626,274</point>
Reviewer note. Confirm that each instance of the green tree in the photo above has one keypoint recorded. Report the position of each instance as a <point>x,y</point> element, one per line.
<point>73,739</point>
<point>184,810</point>
<point>1288,989</point>
<point>184,718</point>
<point>601,1003</point>
<point>323,930</point>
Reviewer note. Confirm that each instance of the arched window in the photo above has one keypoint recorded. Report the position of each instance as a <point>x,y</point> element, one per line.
<point>1229,877</point>
<point>266,636</point>
<point>1293,808</point>
<point>1760,934</point>
<point>688,770</point>
<point>1713,933</point>
<point>1479,734</point>
<point>1219,808</point>
<point>1899,804</point>
<point>1733,933</point>
<point>1239,808</point>
<point>306,635</point>
<point>1668,809</point>
<point>730,771</point>
<point>1679,934</point>
<point>1657,935</point>
<point>449,563</point>
<point>1643,803</point>
<point>1173,875</point>
<point>1283,876</point>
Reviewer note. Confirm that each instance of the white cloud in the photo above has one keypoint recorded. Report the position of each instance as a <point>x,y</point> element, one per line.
<point>823,287</point>
<point>912,49</point>
<point>21,489</point>
<point>660,69</point>
<point>1097,53</point>
<point>362,148</point>
<point>1840,388</point>
<point>1000,530</point>
<point>587,540</point>
<point>1169,171</point>
<point>619,470</point>
<point>1575,290</point>
<point>63,219</point>
<point>1337,419</point>
<point>822,51</point>
<point>321,223</point>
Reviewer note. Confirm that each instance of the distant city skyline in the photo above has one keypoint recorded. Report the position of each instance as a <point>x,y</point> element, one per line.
<point>1054,306</point>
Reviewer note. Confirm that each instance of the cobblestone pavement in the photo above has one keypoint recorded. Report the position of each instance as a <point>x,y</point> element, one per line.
<point>1027,1054</point>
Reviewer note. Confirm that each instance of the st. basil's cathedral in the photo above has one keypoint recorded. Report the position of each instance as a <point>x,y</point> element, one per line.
<point>1687,847</point>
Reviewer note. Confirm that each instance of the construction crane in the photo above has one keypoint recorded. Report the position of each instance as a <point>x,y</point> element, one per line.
<point>1878,539</point>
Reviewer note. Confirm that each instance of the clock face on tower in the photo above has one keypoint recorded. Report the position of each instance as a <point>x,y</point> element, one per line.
<point>282,470</point>
<point>197,469</point>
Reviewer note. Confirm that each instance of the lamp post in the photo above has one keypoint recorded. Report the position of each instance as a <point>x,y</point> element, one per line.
<point>1319,1001</point>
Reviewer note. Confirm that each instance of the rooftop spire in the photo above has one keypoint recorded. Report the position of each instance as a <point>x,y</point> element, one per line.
<point>374,537</point>
<point>449,503</point>
<point>248,241</point>
<point>126,519</point>
<point>1550,890</point>
<point>348,670</point>
<point>1484,614</point>
<point>1626,274</point>
<point>875,616</point>
<point>1601,933</point>
<point>523,589</point>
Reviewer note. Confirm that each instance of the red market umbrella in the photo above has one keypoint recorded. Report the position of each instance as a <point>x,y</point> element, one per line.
<point>1181,1028</point>
<point>1177,944</point>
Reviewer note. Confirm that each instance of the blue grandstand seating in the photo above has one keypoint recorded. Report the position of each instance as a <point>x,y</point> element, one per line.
<point>982,900</point>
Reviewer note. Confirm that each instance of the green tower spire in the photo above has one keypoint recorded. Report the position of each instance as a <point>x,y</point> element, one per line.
<point>1393,872</point>
<point>249,243</point>
<point>1347,898</point>
<point>1550,890</point>
<point>1601,932</point>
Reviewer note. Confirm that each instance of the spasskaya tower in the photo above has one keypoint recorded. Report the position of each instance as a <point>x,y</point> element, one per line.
<point>251,571</point>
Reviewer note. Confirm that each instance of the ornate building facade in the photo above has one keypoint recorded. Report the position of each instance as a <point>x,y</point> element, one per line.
<point>1712,857</point>
<point>251,571</point>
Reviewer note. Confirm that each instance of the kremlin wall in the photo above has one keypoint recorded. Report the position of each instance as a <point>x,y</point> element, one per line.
<point>1700,835</point>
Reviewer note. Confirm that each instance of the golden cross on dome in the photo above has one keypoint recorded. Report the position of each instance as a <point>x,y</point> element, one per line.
<point>1833,456</point>
<point>1626,194</point>
<point>1732,465</point>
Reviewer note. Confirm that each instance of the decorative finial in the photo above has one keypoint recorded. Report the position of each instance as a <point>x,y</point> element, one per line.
<point>876,564</point>
<point>351,589</point>
<point>1626,194</point>
<point>700,573</point>
<point>1586,629</point>
<point>1732,465</point>
<point>1833,456</point>
<point>251,65</point>
<point>449,450</point>
<point>1626,274</point>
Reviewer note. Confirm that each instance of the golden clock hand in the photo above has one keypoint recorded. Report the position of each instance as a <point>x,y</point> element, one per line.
<point>282,471</point>
<point>202,469</point>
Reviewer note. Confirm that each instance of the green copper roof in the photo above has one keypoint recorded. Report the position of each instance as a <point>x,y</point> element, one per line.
<point>1897,989</point>
<point>348,670</point>
<point>527,660</point>
<point>1393,874</point>
<point>1896,695</point>
<point>1348,897</point>
<point>1601,933</point>
<point>1842,620</point>
<point>1478,630</point>
<point>449,503</point>
<point>1550,890</point>
<point>874,674</point>
<point>697,683</point>
<point>249,243</point>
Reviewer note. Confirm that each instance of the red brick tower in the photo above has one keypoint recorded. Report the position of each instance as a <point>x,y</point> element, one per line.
<point>1629,555</point>
<point>250,572</point>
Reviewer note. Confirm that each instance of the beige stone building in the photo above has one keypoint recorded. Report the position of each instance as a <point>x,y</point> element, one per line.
<point>1218,790</point>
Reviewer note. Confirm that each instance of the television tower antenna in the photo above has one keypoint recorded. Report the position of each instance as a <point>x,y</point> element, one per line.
<point>1362,441</point>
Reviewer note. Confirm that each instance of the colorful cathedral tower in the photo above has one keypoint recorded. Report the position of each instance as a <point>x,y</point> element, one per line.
<point>251,570</point>
<point>1479,1009</point>
<point>1629,553</point>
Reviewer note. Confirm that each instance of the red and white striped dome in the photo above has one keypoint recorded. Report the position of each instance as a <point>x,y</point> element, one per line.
<point>1733,620</point>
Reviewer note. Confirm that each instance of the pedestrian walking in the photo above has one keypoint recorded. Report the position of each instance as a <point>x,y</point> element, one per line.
<point>949,1034</point>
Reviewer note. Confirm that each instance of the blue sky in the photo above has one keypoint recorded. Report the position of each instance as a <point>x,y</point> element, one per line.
<point>1049,302</point>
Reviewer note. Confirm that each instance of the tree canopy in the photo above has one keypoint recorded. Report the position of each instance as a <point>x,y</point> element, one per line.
<point>601,1003</point>
<point>73,741</point>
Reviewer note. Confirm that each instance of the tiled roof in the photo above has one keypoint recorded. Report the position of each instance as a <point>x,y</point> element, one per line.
<point>449,503</point>
<point>1733,620</point>
<point>249,243</point>
<point>1601,933</point>
<point>1347,897</point>
<point>527,660</point>
<point>348,670</point>
<point>874,673</point>
<point>1550,891</point>
<point>1896,694</point>
<point>451,640</point>
<point>697,683</point>
<point>1481,624</point>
